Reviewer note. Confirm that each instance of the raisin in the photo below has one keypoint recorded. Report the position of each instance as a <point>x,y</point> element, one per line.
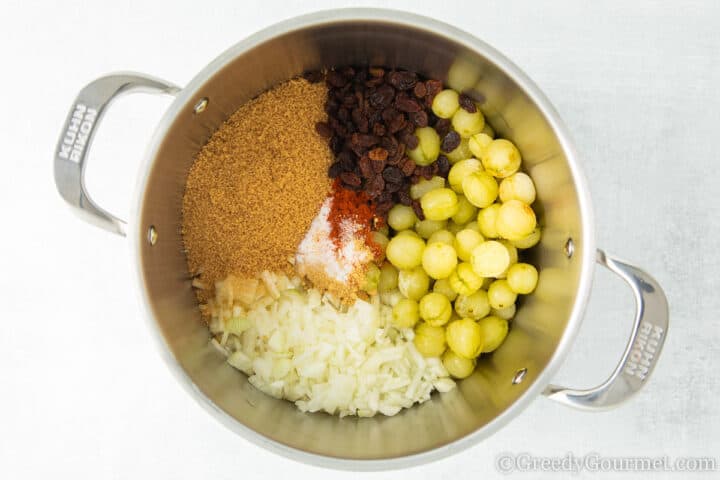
<point>420,90</point>
<point>356,115</point>
<point>376,72</point>
<point>346,161</point>
<point>397,123</point>
<point>393,175</point>
<point>443,165</point>
<point>335,79</point>
<point>374,82</point>
<point>433,87</point>
<point>434,168</point>
<point>351,179</point>
<point>313,76</point>
<point>382,208</point>
<point>338,94</point>
<point>404,103</point>
<point>419,119</point>
<point>418,210</point>
<point>357,149</point>
<point>409,129</point>
<point>331,107</point>
<point>363,140</point>
<point>400,152</point>
<point>374,116</point>
<point>402,80</point>
<point>343,114</point>
<point>393,187</point>
<point>366,169</point>
<point>382,97</point>
<point>442,127</point>
<point>407,166</point>
<point>467,103</point>
<point>404,198</point>
<point>428,101</point>
<point>378,156</point>
<point>348,72</point>
<point>384,197</point>
<point>389,114</point>
<point>349,101</point>
<point>336,144</point>
<point>360,76</point>
<point>450,142</point>
<point>389,143</point>
<point>379,129</point>
<point>338,127</point>
<point>375,186</point>
<point>378,153</point>
<point>363,125</point>
<point>378,165</point>
<point>426,172</point>
<point>335,170</point>
<point>411,142</point>
<point>394,160</point>
<point>323,129</point>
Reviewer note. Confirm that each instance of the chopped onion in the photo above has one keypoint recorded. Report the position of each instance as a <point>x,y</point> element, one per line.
<point>296,344</point>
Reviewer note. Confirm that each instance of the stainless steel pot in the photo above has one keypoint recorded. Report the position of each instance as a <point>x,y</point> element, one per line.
<point>544,327</point>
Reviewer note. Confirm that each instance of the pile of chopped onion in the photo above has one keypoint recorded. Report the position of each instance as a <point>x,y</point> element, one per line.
<point>300,345</point>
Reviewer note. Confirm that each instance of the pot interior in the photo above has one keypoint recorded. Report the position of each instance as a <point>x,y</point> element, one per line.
<point>465,64</point>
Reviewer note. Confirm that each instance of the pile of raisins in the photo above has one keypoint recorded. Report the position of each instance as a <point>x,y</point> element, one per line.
<point>372,117</point>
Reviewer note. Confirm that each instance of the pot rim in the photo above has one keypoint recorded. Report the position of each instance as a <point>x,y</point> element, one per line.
<point>187,94</point>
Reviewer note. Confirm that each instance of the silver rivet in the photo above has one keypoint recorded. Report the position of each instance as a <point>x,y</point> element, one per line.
<point>569,248</point>
<point>201,105</point>
<point>152,235</point>
<point>519,376</point>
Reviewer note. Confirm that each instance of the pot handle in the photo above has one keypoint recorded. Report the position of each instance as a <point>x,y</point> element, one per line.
<point>643,348</point>
<point>77,135</point>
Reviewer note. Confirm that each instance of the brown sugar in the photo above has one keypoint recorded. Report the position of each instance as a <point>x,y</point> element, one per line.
<point>257,184</point>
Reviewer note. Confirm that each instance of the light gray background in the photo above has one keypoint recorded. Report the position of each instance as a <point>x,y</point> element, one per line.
<point>83,392</point>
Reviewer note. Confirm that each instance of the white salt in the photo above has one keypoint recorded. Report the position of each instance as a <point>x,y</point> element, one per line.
<point>317,250</point>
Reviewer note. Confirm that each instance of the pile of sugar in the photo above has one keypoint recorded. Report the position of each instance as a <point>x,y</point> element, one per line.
<point>256,185</point>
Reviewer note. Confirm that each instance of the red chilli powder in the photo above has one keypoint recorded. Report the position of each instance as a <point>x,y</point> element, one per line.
<point>354,206</point>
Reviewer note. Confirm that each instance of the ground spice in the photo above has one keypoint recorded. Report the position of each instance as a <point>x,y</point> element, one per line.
<point>356,207</point>
<point>335,265</point>
<point>256,185</point>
